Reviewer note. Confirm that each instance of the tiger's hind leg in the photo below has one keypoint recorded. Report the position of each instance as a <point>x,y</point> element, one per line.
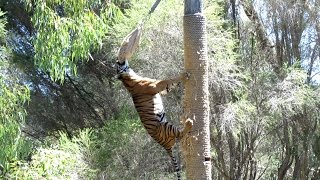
<point>187,127</point>
<point>167,136</point>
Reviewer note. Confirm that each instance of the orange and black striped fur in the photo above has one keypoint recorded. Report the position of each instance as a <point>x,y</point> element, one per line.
<point>145,93</point>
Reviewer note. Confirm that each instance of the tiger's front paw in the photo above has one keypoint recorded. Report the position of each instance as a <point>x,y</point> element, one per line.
<point>185,75</point>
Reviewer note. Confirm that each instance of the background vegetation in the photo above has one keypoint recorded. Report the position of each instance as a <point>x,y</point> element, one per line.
<point>64,115</point>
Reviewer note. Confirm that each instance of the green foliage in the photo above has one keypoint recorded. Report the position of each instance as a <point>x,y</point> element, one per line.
<point>249,101</point>
<point>123,150</point>
<point>115,135</point>
<point>12,113</point>
<point>14,146</point>
<point>292,94</point>
<point>3,32</point>
<point>316,147</point>
<point>67,31</point>
<point>2,27</point>
<point>119,150</point>
<point>133,17</point>
<point>65,159</point>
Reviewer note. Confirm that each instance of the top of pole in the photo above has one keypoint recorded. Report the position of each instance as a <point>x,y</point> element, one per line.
<point>193,7</point>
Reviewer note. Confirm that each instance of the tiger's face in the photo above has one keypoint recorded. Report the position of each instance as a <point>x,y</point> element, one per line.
<point>122,67</point>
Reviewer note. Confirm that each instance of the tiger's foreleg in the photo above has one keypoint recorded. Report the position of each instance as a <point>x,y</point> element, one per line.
<point>166,85</point>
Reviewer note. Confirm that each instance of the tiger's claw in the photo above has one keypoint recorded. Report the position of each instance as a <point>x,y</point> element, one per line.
<point>188,124</point>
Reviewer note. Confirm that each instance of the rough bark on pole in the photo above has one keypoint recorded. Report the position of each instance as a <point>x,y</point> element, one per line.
<point>196,148</point>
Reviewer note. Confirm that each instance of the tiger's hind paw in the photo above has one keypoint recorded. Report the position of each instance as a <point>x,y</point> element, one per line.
<point>188,125</point>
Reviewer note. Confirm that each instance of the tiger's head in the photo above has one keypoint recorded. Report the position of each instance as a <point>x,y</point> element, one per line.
<point>123,69</point>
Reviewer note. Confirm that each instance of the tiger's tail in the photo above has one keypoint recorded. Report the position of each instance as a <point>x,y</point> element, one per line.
<point>175,164</point>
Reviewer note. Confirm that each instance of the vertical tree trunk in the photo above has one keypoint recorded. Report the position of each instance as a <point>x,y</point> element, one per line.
<point>287,159</point>
<point>196,102</point>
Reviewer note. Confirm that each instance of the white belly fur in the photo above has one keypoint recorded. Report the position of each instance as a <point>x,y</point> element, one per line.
<point>158,106</point>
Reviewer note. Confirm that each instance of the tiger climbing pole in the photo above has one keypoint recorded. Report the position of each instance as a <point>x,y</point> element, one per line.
<point>196,148</point>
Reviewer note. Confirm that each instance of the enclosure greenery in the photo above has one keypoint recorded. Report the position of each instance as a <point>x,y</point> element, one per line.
<point>264,88</point>
<point>67,31</point>
<point>14,146</point>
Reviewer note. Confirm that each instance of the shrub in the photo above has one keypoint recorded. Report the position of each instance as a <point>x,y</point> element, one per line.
<point>14,146</point>
<point>120,150</point>
<point>64,159</point>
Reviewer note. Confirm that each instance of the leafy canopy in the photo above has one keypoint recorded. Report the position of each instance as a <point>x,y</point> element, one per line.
<point>67,31</point>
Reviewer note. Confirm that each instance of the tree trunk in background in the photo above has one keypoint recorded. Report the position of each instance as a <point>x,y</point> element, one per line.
<point>196,103</point>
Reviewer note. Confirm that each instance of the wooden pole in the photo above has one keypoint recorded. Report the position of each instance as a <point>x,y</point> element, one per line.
<point>193,7</point>
<point>196,148</point>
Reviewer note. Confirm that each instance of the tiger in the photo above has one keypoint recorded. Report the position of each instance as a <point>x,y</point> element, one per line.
<point>145,93</point>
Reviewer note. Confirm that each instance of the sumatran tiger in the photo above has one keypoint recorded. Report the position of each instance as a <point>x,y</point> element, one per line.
<point>145,93</point>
